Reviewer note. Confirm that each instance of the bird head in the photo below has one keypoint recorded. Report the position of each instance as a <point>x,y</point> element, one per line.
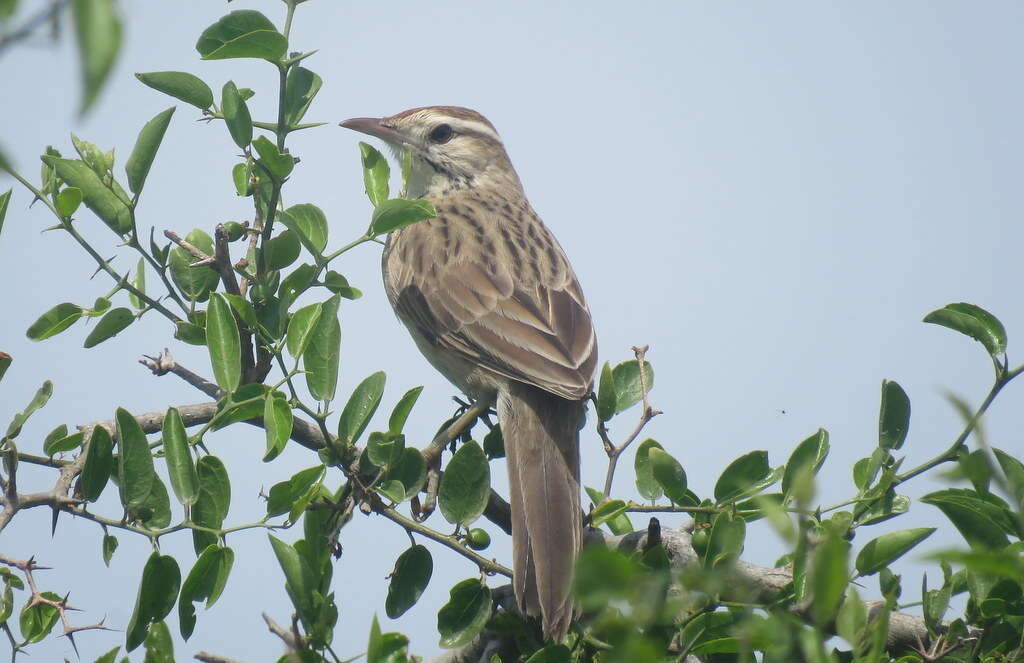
<point>448,148</point>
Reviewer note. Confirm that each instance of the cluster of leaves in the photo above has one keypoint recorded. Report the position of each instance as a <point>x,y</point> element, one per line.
<point>641,607</point>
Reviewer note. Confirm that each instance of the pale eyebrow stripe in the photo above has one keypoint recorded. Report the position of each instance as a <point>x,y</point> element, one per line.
<point>474,126</point>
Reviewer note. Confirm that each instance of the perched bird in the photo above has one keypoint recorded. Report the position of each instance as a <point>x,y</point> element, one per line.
<point>492,302</point>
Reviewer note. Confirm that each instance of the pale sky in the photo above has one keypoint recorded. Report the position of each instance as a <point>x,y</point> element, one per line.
<point>770,195</point>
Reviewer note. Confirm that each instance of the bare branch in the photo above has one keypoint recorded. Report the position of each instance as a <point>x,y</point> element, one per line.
<point>206,657</point>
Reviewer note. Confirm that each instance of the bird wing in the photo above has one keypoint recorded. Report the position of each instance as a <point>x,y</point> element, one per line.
<point>523,323</point>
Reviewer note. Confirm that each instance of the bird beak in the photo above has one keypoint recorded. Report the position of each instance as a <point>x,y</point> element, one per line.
<point>374,126</point>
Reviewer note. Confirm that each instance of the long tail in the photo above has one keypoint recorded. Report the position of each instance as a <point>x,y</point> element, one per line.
<point>541,433</point>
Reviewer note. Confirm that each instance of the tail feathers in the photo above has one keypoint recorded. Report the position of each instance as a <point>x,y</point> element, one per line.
<point>541,433</point>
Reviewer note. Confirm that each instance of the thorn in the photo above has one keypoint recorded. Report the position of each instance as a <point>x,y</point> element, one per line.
<point>71,638</point>
<point>53,526</point>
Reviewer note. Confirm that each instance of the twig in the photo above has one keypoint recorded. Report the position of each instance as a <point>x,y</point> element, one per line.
<point>646,415</point>
<point>222,260</point>
<point>488,566</point>
<point>33,22</point>
<point>206,657</point>
<point>202,259</point>
<point>432,455</point>
<point>292,640</point>
<point>164,363</point>
<point>28,568</point>
<point>454,429</point>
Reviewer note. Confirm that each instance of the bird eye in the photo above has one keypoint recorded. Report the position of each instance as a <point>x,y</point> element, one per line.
<point>442,133</point>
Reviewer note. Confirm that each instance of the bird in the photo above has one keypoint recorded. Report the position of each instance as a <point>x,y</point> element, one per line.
<point>492,302</point>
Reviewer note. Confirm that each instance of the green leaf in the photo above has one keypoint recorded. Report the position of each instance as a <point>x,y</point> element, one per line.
<point>111,324</point>
<point>646,484</point>
<point>376,174</point>
<point>155,512</point>
<point>144,152</point>
<point>725,542</point>
<point>241,176</point>
<point>63,442</point>
<point>5,363</point>
<point>180,85</point>
<point>299,89</point>
<point>494,443</point>
<point>99,461</point>
<point>890,506</point>
<point>397,213</point>
<point>283,250</point>
<point>310,223</point>
<point>54,321</point>
<point>982,523</point>
<point>413,569</point>
<point>158,644</point>
<point>619,524</point>
<point>852,617</point>
<point>280,165</point>
<point>606,511</point>
<point>296,283</point>
<point>299,579</point>
<point>284,494</point>
<point>243,33</point>
<point>603,575</point>
<point>808,456</point>
<point>236,115</point>
<point>41,397</point>
<point>300,329</point>
<point>36,621</point>
<point>885,549</point>
<point>829,578</point>
<point>135,462</point>
<point>742,475</point>
<point>893,416</point>
<point>190,333</point>
<point>384,449</point>
<point>205,582</point>
<point>626,378</point>
<point>669,475</point>
<point>552,654</point>
<point>338,284</point>
<point>606,394</point>
<point>323,352</point>
<point>5,200</point>
<point>242,308</point>
<point>409,470</point>
<point>158,590</point>
<point>465,614</point>
<point>194,282</point>
<point>67,201</point>
<point>98,35</point>
<point>1013,469</point>
<point>278,421</point>
<point>223,341</point>
<point>211,506</point>
<point>375,645</point>
<point>109,546</point>
<point>139,282</point>
<point>178,454</point>
<point>400,414</point>
<point>247,402</point>
<point>359,409</point>
<point>972,321</point>
<point>465,485</point>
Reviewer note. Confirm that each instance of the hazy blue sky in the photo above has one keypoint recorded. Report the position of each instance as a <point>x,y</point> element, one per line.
<point>771,195</point>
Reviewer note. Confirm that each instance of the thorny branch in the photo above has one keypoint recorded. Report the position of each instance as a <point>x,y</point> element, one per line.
<point>28,568</point>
